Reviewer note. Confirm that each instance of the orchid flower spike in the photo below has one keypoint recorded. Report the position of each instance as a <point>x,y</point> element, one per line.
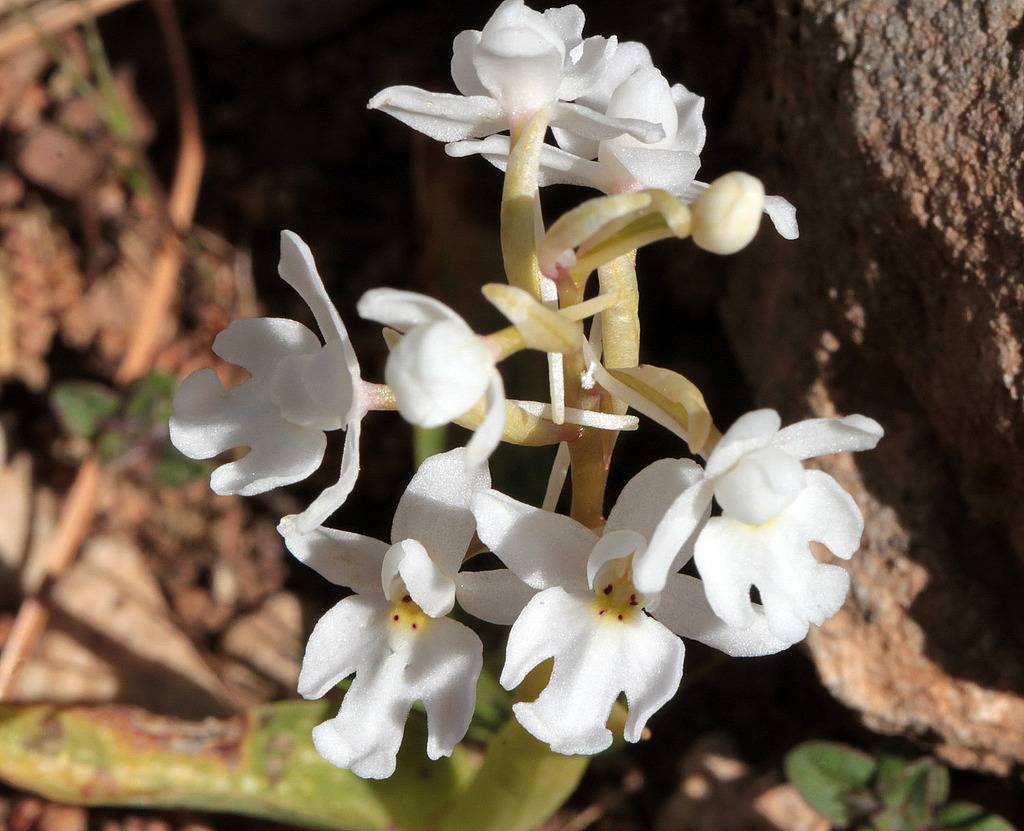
<point>522,62</point>
<point>772,508</point>
<point>394,633</point>
<point>606,636</point>
<point>440,368</point>
<point>299,388</point>
<point>631,88</point>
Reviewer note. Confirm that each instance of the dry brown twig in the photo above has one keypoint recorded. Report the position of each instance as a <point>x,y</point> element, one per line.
<point>80,505</point>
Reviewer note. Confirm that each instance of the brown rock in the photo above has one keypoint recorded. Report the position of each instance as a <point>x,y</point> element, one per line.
<point>896,130</point>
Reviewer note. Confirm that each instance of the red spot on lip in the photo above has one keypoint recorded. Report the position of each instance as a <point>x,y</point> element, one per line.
<point>414,626</point>
<point>602,611</point>
<point>620,617</point>
<point>406,599</point>
<point>632,600</point>
<point>395,617</point>
<point>608,589</point>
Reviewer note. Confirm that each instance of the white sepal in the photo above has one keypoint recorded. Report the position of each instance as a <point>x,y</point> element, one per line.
<point>543,549</point>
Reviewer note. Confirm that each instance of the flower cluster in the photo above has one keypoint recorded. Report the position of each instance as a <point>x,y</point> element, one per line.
<point>600,604</point>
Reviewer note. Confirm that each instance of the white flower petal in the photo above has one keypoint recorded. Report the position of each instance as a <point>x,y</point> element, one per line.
<point>402,310</point>
<point>782,213</point>
<point>613,545</point>
<point>751,431</point>
<point>651,667</point>
<point>568,22</point>
<point>557,167</point>
<point>822,436</point>
<point>642,167</point>
<point>463,71</point>
<point>570,714</point>
<point>594,660</point>
<point>671,536</point>
<point>257,344</point>
<point>645,96</point>
<point>760,486</point>
<point>646,497</point>
<point>496,596</point>
<point>351,634</point>
<point>442,116</point>
<point>435,508</point>
<point>690,130</point>
<point>438,372</point>
<point>795,589</point>
<point>315,390</point>
<point>520,58</point>
<point>409,563</point>
<point>342,557</point>
<point>444,666</point>
<point>826,513</point>
<point>487,436</point>
<point>333,497</point>
<point>298,270</point>
<point>543,549</point>
<point>439,666</point>
<point>587,67</point>
<point>593,125</point>
<point>629,57</point>
<point>208,420</point>
<point>684,608</point>
<point>365,735</point>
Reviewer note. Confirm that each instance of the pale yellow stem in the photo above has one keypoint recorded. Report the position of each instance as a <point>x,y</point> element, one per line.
<point>518,218</point>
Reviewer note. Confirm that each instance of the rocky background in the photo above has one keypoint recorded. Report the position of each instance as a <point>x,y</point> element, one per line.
<point>897,129</point>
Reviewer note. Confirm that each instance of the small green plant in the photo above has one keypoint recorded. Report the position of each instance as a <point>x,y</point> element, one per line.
<point>127,426</point>
<point>852,789</point>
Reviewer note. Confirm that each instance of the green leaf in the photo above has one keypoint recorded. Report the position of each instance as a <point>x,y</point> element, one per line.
<point>959,815</point>
<point>149,398</point>
<point>112,443</point>
<point>918,789</point>
<point>826,774</point>
<point>890,772</point>
<point>83,406</point>
<point>173,470</point>
<point>260,764</point>
<point>891,819</point>
<point>520,785</point>
<point>966,816</point>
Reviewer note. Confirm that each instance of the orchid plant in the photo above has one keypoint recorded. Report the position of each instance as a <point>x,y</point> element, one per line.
<point>598,606</point>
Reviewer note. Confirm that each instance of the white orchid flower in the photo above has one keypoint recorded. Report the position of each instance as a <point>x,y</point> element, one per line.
<point>522,61</point>
<point>631,88</point>
<point>299,388</point>
<point>772,508</point>
<point>605,635</point>
<point>440,368</point>
<point>394,633</point>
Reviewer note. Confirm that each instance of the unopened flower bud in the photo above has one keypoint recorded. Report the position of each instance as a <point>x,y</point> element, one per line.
<point>438,371</point>
<point>727,214</point>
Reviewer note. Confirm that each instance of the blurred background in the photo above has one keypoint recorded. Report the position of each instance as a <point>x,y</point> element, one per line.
<point>897,129</point>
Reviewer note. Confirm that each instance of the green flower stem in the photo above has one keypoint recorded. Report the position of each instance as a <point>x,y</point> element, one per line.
<point>620,325</point>
<point>518,218</point>
<point>587,457</point>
